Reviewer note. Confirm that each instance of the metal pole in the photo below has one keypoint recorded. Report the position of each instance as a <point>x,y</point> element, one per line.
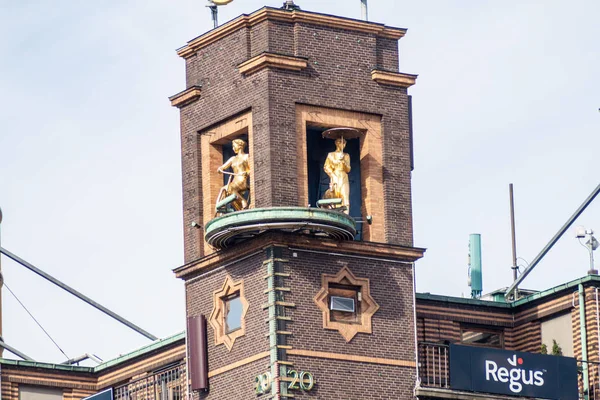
<point>591,248</point>
<point>512,231</point>
<point>15,351</point>
<point>364,10</point>
<point>214,12</point>
<point>1,284</point>
<point>77,294</point>
<point>513,235</point>
<point>553,241</point>
<point>583,333</point>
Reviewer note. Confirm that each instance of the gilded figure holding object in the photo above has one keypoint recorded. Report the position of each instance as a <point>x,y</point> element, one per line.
<point>337,166</point>
<point>238,179</point>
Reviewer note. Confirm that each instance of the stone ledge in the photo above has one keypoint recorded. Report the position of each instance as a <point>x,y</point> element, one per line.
<point>272,60</point>
<point>257,245</point>
<point>185,97</point>
<point>393,78</point>
<point>273,14</point>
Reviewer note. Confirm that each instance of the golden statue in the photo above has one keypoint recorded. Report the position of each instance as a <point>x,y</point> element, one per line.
<point>337,166</point>
<point>238,179</point>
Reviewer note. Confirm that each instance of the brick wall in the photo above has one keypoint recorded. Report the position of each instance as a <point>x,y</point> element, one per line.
<point>199,300</point>
<point>391,288</point>
<point>341,380</point>
<point>392,335</point>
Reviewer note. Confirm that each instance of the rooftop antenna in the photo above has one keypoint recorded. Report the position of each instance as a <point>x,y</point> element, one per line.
<point>214,12</point>
<point>364,10</point>
<point>553,241</point>
<point>591,245</point>
<point>513,236</point>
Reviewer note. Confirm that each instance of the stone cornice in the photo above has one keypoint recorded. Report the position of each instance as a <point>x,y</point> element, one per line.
<point>274,14</point>
<point>252,246</point>
<point>185,97</point>
<point>393,78</point>
<point>271,60</point>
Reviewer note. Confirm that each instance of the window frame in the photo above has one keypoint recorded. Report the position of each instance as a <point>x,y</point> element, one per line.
<point>226,309</point>
<point>479,329</point>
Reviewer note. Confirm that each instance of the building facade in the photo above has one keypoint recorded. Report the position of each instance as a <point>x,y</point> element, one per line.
<point>287,296</point>
<point>277,79</point>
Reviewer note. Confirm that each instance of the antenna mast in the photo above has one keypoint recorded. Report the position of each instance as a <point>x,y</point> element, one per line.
<point>513,235</point>
<point>553,241</point>
<point>214,12</point>
<point>364,10</point>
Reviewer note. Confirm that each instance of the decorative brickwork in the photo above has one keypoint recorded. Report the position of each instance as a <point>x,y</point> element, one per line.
<point>219,312</point>
<point>366,306</point>
<point>185,97</point>
<point>393,78</point>
<point>267,60</point>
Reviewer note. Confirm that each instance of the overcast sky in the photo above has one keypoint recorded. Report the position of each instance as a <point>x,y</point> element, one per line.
<point>90,173</point>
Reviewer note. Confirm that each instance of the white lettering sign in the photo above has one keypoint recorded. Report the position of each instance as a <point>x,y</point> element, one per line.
<point>516,377</point>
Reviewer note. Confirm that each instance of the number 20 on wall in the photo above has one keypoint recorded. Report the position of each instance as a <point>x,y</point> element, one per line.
<point>302,380</point>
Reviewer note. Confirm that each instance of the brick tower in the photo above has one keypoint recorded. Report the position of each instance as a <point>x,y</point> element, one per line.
<point>301,301</point>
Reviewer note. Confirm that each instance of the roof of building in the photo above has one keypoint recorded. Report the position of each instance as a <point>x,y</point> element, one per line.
<point>514,304</point>
<point>278,14</point>
<point>156,345</point>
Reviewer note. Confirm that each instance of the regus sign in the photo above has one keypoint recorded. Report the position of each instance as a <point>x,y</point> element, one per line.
<point>516,377</point>
<point>512,373</point>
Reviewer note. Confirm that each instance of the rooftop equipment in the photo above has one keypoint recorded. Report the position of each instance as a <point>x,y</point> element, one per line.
<point>475,275</point>
<point>364,10</point>
<point>591,245</point>
<point>212,5</point>
<point>553,241</point>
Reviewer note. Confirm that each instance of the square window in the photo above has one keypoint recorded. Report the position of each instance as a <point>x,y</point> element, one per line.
<point>233,312</point>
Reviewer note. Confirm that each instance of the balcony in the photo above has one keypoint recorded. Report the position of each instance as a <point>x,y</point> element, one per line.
<point>166,384</point>
<point>434,376</point>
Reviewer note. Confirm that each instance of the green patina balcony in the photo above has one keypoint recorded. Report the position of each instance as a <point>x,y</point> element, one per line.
<point>235,227</point>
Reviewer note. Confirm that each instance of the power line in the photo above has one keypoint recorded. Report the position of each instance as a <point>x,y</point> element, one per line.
<point>75,293</point>
<point>36,321</point>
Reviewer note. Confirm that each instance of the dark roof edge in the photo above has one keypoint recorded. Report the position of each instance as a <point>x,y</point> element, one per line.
<point>533,297</point>
<point>156,345</point>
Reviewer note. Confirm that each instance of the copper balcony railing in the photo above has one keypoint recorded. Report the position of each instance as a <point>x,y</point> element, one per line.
<point>434,361</point>
<point>166,384</point>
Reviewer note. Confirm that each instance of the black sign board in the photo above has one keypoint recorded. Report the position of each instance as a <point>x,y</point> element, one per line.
<point>513,373</point>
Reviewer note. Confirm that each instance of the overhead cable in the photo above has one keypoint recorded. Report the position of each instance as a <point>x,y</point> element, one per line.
<point>36,321</point>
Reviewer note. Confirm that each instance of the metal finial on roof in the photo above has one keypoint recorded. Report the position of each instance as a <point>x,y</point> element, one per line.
<point>290,5</point>
<point>364,10</point>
